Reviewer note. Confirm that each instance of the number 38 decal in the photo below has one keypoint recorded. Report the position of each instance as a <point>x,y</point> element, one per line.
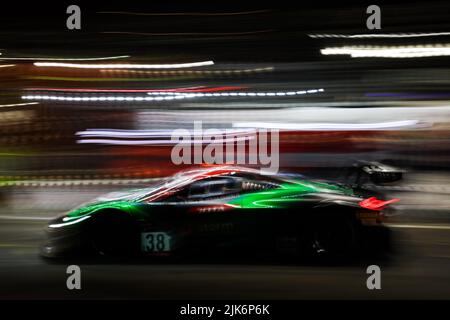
<point>155,242</point>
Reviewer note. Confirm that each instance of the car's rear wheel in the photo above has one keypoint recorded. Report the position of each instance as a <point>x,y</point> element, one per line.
<point>333,237</point>
<point>114,234</point>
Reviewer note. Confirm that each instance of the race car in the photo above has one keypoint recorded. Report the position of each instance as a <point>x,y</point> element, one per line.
<point>220,208</point>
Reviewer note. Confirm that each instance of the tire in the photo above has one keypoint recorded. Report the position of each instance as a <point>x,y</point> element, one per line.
<point>114,234</point>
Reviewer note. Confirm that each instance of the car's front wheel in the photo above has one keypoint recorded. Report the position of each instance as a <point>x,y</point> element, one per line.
<point>114,234</point>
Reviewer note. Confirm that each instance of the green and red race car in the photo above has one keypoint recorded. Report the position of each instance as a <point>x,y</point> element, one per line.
<point>221,208</point>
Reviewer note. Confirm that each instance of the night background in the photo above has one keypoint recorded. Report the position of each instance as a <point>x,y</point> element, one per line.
<point>376,107</point>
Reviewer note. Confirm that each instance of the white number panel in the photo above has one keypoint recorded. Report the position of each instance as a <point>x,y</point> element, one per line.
<point>155,242</point>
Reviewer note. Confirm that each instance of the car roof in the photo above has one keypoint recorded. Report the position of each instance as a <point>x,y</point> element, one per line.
<point>209,171</point>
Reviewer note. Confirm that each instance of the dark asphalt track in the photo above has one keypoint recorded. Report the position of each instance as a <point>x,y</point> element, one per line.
<point>418,269</point>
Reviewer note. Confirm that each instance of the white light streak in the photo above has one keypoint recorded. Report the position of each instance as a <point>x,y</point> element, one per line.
<point>380,35</point>
<point>390,52</point>
<point>238,94</point>
<point>167,96</point>
<point>164,142</point>
<point>18,104</point>
<point>9,217</point>
<point>111,133</point>
<point>418,226</point>
<point>188,72</point>
<point>64,59</point>
<point>59,225</point>
<point>328,126</point>
<point>124,66</point>
<point>102,98</point>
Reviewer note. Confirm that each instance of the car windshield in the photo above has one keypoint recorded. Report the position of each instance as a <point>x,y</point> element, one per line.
<point>161,188</point>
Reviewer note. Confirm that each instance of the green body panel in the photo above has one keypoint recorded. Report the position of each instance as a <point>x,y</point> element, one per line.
<point>284,196</point>
<point>287,193</point>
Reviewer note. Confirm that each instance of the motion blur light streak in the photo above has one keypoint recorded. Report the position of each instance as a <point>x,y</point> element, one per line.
<point>161,137</point>
<point>102,99</point>
<point>17,104</point>
<point>242,94</point>
<point>415,51</point>
<point>155,91</point>
<point>163,142</point>
<point>330,126</point>
<point>167,96</point>
<point>380,35</point>
<point>64,59</point>
<point>124,66</point>
<point>190,72</point>
<point>152,133</point>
